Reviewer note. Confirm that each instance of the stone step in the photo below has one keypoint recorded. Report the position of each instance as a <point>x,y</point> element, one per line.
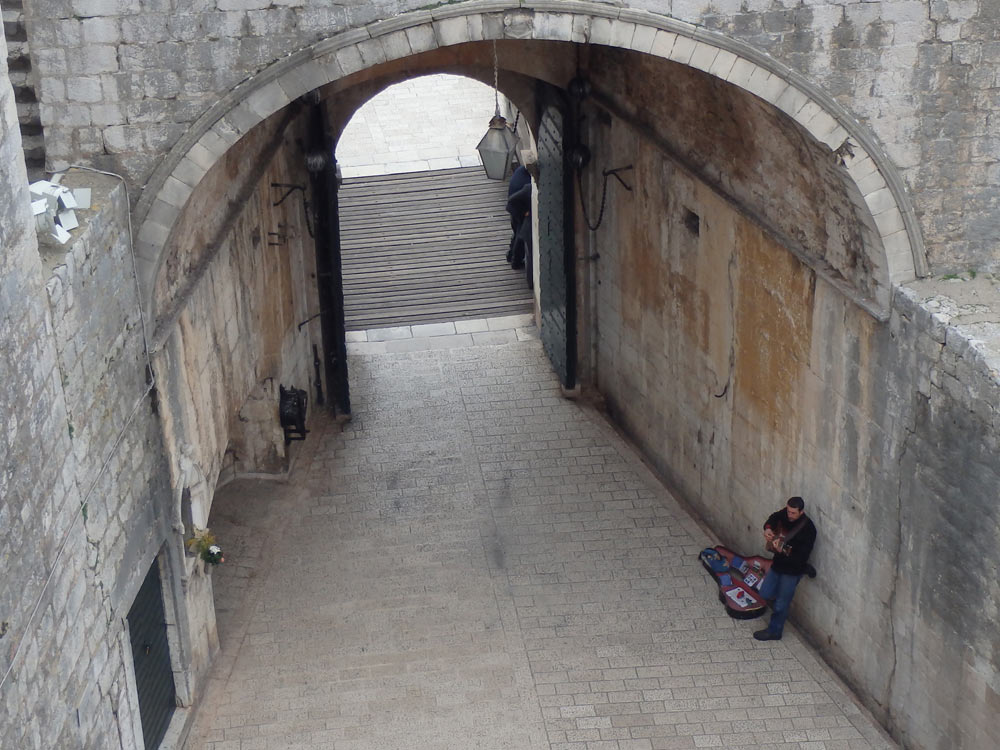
<point>33,150</point>
<point>16,50</point>
<point>18,78</point>
<point>13,29</point>
<point>18,60</point>
<point>33,147</point>
<point>25,93</point>
<point>25,96</point>
<point>34,155</point>
<point>28,112</point>
<point>31,129</point>
<point>33,141</point>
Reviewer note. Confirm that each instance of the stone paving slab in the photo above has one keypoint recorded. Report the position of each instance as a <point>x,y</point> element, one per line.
<point>476,562</point>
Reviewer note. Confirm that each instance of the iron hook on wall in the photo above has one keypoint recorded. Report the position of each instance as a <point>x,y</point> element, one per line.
<point>614,173</point>
<point>311,318</point>
<point>289,189</point>
<point>604,193</point>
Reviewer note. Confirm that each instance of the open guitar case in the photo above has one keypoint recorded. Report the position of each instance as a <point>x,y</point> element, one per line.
<point>739,580</point>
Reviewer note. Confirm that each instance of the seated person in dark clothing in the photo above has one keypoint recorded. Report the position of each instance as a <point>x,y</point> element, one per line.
<point>790,535</point>
<point>519,208</point>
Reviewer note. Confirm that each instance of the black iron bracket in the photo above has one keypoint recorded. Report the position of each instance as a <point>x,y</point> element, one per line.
<point>311,318</point>
<point>614,173</point>
<point>289,189</point>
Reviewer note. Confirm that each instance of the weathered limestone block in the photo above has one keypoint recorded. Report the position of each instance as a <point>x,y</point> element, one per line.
<point>257,440</point>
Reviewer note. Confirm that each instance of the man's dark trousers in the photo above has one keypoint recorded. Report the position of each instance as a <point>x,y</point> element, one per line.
<point>781,588</point>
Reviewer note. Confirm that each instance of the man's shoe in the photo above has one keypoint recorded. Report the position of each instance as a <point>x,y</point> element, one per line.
<point>766,635</point>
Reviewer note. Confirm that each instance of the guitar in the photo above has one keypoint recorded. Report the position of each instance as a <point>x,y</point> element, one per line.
<point>777,545</point>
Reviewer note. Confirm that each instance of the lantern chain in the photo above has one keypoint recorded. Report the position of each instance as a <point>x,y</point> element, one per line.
<point>496,78</point>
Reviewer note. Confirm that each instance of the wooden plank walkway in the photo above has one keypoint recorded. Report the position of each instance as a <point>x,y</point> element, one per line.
<point>427,247</point>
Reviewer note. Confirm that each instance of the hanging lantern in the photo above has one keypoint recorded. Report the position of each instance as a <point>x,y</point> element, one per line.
<point>497,147</point>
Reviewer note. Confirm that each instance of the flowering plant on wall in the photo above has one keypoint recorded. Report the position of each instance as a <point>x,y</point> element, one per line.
<point>203,544</point>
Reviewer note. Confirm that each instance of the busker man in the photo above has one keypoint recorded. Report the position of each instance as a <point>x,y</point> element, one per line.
<point>790,535</point>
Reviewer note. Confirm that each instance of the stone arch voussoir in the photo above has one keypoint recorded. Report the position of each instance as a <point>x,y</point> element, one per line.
<point>898,253</point>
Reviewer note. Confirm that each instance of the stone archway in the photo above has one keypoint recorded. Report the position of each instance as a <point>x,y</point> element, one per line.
<point>897,248</point>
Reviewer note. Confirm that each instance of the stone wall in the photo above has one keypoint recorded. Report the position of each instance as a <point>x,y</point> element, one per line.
<point>115,434</point>
<point>760,159</point>
<point>120,86</point>
<point>82,476</point>
<point>746,378</point>
<point>107,487</point>
<point>238,279</point>
<point>102,367</point>
<point>40,498</point>
<point>944,599</point>
<point>923,76</point>
<point>91,498</point>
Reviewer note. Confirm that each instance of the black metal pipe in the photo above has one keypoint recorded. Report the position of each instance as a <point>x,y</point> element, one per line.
<point>317,369</point>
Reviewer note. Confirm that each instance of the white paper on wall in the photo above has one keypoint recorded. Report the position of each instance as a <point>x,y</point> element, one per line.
<point>67,219</point>
<point>61,234</point>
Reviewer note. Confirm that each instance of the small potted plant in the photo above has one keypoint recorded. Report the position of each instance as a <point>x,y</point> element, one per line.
<point>203,545</point>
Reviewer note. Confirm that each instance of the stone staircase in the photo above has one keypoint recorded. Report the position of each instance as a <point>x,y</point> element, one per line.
<point>19,70</point>
<point>427,247</point>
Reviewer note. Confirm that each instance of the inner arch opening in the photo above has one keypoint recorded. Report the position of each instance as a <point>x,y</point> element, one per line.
<point>425,123</point>
<point>425,236</point>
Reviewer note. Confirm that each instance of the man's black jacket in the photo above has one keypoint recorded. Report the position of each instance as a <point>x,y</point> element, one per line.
<point>799,547</point>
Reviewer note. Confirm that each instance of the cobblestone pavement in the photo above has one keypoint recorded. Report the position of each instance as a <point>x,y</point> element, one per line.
<point>476,562</point>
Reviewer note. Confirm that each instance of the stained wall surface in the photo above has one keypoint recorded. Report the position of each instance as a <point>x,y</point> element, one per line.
<point>746,379</point>
<point>238,279</point>
<point>758,158</point>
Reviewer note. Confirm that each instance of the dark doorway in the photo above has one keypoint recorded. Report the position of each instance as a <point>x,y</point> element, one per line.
<point>154,678</point>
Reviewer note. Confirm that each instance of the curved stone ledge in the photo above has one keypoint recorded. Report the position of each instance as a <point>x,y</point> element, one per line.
<point>963,316</point>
